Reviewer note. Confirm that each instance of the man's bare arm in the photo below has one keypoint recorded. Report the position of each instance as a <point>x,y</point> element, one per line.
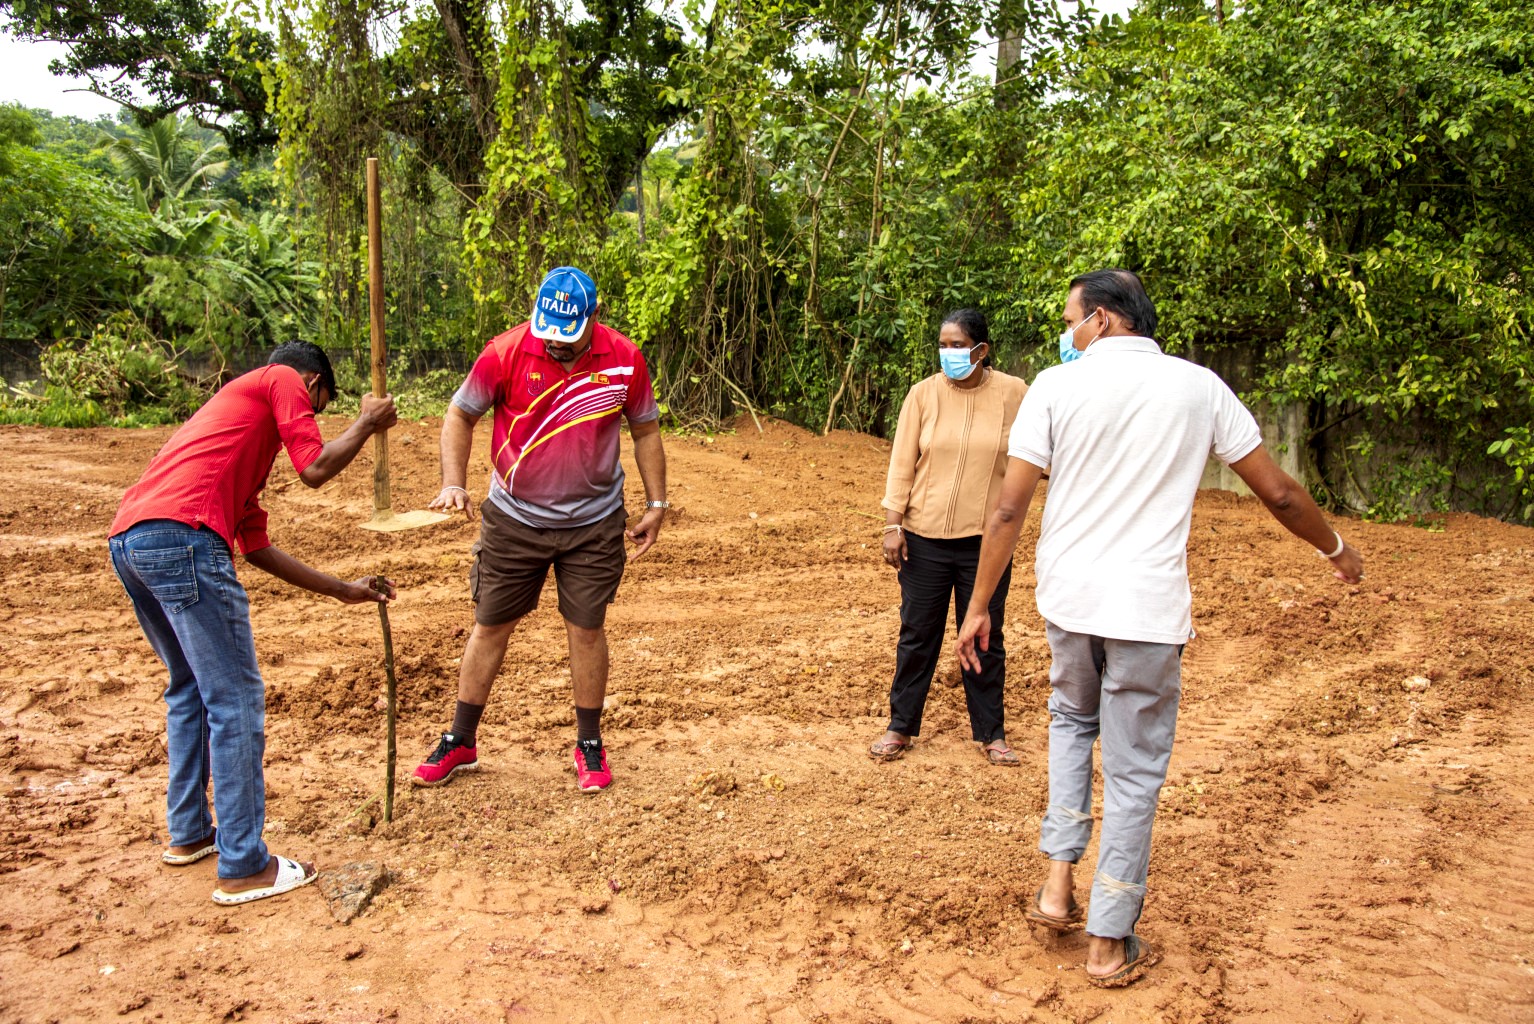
<point>1296,510</point>
<point>650,457</point>
<point>457,440</point>
<point>1002,528</point>
<point>290,570</point>
<point>376,414</point>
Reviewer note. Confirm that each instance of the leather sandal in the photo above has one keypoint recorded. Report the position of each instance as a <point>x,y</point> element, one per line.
<point>1139,957</point>
<point>1002,756</point>
<point>893,750</point>
<point>1073,921</point>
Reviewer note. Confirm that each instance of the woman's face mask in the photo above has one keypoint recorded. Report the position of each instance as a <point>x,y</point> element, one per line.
<point>955,362</point>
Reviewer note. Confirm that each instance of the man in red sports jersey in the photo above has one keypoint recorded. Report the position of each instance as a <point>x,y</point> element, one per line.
<point>171,545</point>
<point>557,384</point>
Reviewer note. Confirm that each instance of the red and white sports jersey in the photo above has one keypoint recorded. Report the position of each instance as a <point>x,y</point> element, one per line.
<point>554,449</point>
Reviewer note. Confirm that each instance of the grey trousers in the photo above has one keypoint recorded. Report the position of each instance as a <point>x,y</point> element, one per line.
<point>1126,692</point>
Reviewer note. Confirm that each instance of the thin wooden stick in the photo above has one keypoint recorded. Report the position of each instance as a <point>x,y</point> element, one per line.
<point>382,586</point>
<point>366,804</point>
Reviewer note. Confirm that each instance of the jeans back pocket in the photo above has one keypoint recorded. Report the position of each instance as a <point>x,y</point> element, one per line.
<point>170,574</point>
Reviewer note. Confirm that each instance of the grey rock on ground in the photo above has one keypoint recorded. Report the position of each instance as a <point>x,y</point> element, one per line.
<point>351,887</point>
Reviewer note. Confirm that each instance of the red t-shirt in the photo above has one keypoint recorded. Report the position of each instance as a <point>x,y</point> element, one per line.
<point>212,470</point>
<point>555,443</point>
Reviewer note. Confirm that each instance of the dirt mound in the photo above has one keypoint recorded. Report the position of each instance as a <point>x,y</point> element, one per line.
<point>1344,834</point>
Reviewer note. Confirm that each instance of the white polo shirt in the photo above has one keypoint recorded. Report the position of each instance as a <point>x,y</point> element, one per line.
<point>1125,432</point>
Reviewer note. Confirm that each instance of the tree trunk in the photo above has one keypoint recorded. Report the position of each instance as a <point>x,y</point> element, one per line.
<point>465,37</point>
<point>1009,53</point>
<point>639,200</point>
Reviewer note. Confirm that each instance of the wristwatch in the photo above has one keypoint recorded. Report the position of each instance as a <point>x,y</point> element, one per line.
<point>657,504</point>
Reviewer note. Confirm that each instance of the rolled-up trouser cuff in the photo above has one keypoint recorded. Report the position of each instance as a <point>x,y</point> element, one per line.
<point>1064,833</point>
<point>1115,907</point>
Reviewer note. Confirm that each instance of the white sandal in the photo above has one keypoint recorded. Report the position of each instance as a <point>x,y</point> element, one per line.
<point>290,876</point>
<point>180,860</point>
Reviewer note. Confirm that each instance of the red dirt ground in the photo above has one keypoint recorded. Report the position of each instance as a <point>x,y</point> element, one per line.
<point>1332,845</point>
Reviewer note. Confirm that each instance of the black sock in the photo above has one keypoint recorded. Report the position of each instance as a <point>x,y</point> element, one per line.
<point>466,722</point>
<point>588,723</point>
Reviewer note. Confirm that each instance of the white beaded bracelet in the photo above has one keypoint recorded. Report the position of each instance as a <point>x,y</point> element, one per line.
<point>1340,545</point>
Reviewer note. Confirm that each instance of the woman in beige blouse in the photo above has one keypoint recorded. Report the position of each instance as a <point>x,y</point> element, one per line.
<point>944,476</point>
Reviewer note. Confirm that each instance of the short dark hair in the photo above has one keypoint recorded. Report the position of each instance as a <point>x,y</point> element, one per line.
<point>306,357</point>
<point>1121,292</point>
<point>974,325</point>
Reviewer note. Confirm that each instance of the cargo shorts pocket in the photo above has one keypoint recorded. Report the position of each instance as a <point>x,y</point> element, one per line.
<point>170,574</point>
<point>474,572</point>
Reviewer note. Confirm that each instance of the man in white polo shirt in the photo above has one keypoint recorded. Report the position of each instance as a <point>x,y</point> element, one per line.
<point>1125,431</point>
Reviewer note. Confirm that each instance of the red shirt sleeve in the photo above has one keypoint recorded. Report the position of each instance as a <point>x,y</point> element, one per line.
<point>639,406</point>
<point>295,418</point>
<point>479,391</point>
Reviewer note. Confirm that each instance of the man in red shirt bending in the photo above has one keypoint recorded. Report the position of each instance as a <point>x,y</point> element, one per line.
<point>171,547</point>
<point>558,384</point>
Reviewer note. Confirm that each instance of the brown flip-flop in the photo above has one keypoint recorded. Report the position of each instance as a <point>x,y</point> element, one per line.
<point>1139,957</point>
<point>1071,922</point>
<point>891,751</point>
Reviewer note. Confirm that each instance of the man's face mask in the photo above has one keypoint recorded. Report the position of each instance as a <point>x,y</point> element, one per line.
<point>1068,350</point>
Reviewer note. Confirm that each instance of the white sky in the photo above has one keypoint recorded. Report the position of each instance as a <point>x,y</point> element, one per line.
<point>24,76</point>
<point>24,79</point>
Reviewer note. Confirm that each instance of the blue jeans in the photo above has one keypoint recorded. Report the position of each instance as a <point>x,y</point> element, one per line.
<point>197,618</point>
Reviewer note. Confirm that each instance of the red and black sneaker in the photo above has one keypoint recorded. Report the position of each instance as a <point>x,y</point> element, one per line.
<point>450,758</point>
<point>591,772</point>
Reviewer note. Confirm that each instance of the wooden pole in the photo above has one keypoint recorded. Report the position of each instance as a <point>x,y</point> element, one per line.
<point>382,586</point>
<point>384,520</point>
<point>382,505</point>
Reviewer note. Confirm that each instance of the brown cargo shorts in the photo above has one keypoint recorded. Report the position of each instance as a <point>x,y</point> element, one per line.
<point>510,562</point>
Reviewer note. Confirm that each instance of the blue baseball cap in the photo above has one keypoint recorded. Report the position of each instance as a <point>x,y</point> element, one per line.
<point>566,300</point>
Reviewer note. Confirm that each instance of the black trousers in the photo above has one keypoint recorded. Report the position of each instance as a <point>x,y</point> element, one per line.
<point>935,571</point>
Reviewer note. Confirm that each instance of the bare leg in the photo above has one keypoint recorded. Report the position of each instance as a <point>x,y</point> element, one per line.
<point>482,661</point>
<point>1059,888</point>
<point>588,665</point>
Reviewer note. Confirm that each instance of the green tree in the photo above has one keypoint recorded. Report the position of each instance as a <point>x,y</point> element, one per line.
<point>1340,194</point>
<point>164,160</point>
<point>69,242</point>
<point>188,55</point>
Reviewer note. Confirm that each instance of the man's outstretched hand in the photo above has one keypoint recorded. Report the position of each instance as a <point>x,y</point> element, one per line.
<point>453,498</point>
<point>1348,566</point>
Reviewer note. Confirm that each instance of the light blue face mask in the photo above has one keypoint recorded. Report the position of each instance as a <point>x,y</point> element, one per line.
<point>955,362</point>
<point>1068,351</point>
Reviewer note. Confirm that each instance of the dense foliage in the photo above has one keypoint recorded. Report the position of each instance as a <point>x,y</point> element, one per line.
<point>1330,202</point>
